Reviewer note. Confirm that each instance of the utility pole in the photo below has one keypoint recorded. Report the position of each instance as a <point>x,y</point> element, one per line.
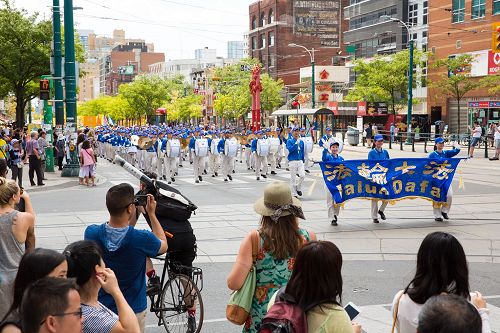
<point>47,127</point>
<point>410,92</point>
<point>59,106</point>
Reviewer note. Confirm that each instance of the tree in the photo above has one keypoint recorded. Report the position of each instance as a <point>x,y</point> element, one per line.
<point>384,79</point>
<point>456,82</point>
<point>492,82</point>
<point>184,108</point>
<point>114,106</point>
<point>25,48</point>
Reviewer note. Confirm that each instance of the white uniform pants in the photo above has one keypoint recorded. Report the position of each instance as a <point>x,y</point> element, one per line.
<point>159,167</point>
<point>198,165</point>
<point>375,208</point>
<point>260,161</point>
<point>306,160</point>
<point>227,165</point>
<point>272,161</point>
<point>169,165</point>
<point>148,160</point>
<point>296,167</point>
<point>132,158</point>
<point>280,154</point>
<point>445,208</point>
<point>286,157</point>
<point>140,158</point>
<point>240,152</point>
<point>333,210</point>
<point>248,157</point>
<point>214,162</point>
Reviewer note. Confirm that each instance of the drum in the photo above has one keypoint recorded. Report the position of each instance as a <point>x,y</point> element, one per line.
<point>201,147</point>
<point>262,147</point>
<point>213,146</point>
<point>231,148</point>
<point>308,143</point>
<point>134,139</point>
<point>274,145</point>
<point>332,140</point>
<point>173,148</point>
<point>132,150</point>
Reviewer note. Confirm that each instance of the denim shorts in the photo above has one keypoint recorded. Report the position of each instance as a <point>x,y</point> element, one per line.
<point>474,142</point>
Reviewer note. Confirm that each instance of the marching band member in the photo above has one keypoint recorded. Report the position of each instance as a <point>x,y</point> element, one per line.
<point>248,152</point>
<point>159,156</point>
<point>306,151</point>
<point>272,157</point>
<point>325,137</point>
<point>378,153</point>
<point>150,155</point>
<point>332,156</point>
<point>198,161</point>
<point>227,160</point>
<point>295,149</point>
<point>213,153</point>
<point>260,161</point>
<point>442,211</point>
<point>281,149</point>
<point>169,162</point>
<point>241,147</point>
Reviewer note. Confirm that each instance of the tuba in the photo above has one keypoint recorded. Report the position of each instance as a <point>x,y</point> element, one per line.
<point>145,143</point>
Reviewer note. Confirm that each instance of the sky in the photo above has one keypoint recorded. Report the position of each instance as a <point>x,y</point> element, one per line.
<point>176,27</point>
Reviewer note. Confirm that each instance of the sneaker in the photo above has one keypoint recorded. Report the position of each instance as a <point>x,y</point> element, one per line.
<point>494,159</point>
<point>153,286</point>
<point>445,216</point>
<point>230,177</point>
<point>382,215</point>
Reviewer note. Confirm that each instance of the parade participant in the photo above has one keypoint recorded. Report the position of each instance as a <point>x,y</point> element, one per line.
<point>160,155</point>
<point>281,149</point>
<point>170,161</point>
<point>274,144</point>
<point>227,158</point>
<point>248,152</point>
<point>332,156</point>
<point>295,149</point>
<point>378,153</point>
<point>198,161</point>
<point>441,211</point>
<point>241,147</point>
<point>213,153</point>
<point>308,147</point>
<point>325,137</point>
<point>260,161</point>
<point>150,155</point>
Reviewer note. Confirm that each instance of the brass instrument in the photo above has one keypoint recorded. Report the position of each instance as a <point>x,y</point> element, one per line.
<point>145,143</point>
<point>184,142</point>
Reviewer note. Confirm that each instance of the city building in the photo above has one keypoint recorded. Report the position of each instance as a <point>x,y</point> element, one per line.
<point>236,49</point>
<point>89,84</point>
<point>274,24</point>
<point>464,27</point>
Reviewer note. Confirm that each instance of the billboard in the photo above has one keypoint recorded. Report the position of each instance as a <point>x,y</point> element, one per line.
<point>126,70</point>
<point>318,18</point>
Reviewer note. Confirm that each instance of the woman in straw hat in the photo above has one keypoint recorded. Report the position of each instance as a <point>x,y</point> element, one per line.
<point>279,241</point>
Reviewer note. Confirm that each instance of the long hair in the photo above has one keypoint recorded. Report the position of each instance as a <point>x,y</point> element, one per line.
<point>8,188</point>
<point>33,266</point>
<point>441,268</point>
<point>282,238</point>
<point>317,276</point>
<point>82,258</point>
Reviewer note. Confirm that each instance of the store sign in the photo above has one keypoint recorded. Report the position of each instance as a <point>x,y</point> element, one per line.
<point>318,18</point>
<point>361,109</point>
<point>324,87</point>
<point>333,106</point>
<point>324,74</point>
<point>479,104</point>
<point>493,63</point>
<point>324,97</point>
<point>376,109</point>
<point>494,104</point>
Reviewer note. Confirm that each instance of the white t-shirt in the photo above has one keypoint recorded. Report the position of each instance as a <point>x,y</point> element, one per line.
<point>477,132</point>
<point>497,133</point>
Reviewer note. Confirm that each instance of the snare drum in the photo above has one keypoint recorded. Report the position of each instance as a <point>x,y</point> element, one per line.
<point>132,150</point>
<point>262,147</point>
<point>173,148</point>
<point>213,147</point>
<point>231,147</point>
<point>274,145</point>
<point>201,147</point>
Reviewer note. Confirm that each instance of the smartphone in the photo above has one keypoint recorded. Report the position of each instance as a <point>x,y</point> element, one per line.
<point>141,199</point>
<point>352,310</point>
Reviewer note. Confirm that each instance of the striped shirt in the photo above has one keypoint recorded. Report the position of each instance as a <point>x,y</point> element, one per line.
<point>98,320</point>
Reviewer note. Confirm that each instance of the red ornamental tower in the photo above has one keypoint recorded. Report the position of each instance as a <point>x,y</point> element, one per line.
<point>255,89</point>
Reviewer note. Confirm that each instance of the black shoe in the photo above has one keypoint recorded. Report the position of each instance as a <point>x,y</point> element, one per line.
<point>375,221</point>
<point>164,177</point>
<point>308,171</point>
<point>445,216</point>
<point>153,286</point>
<point>216,174</point>
<point>233,171</point>
<point>213,175</point>
<point>204,172</point>
<point>190,162</point>
<point>494,159</point>
<point>438,219</point>
<point>273,173</point>
<point>264,176</point>
<point>287,169</point>
<point>382,215</point>
<point>299,193</point>
<point>181,166</point>
<point>230,177</point>
<point>241,161</point>
<point>279,166</point>
<point>258,178</point>
<point>334,223</point>
<point>248,169</point>
<point>201,179</point>
<point>191,324</point>
<point>41,184</point>
<point>33,184</point>
<point>196,181</point>
<point>176,173</point>
<point>169,182</point>
<point>172,179</point>
<point>225,179</point>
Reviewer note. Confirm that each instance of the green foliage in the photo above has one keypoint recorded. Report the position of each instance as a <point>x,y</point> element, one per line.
<point>116,107</point>
<point>384,79</point>
<point>233,92</point>
<point>183,108</point>
<point>492,82</point>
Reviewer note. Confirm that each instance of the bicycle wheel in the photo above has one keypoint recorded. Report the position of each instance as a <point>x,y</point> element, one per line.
<point>179,295</point>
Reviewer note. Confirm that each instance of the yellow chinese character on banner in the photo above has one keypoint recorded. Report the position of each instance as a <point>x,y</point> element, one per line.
<point>438,170</point>
<point>340,172</point>
<point>376,174</point>
<point>405,168</point>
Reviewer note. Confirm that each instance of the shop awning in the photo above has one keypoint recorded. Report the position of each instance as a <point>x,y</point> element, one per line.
<point>294,112</point>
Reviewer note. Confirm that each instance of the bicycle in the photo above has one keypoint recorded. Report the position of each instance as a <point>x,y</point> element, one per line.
<point>179,293</point>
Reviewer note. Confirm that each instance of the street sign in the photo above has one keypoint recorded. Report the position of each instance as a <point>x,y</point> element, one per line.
<point>44,89</point>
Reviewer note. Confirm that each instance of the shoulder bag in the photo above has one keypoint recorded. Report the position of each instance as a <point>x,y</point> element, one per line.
<point>395,318</point>
<point>240,303</point>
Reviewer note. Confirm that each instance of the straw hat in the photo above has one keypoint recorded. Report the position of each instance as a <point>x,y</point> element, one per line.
<point>278,201</point>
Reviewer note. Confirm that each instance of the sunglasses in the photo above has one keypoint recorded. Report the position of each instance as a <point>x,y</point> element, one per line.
<point>78,314</point>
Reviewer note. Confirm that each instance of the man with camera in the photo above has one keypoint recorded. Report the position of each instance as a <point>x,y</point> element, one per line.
<point>127,249</point>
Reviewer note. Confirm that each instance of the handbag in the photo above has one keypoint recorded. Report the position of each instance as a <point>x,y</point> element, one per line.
<point>20,165</point>
<point>395,318</point>
<point>240,302</point>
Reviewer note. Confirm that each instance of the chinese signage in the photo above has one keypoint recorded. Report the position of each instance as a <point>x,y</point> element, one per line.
<point>493,63</point>
<point>318,18</point>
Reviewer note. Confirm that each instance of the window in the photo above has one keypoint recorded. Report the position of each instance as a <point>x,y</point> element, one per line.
<point>262,19</point>
<point>270,18</point>
<point>478,8</point>
<point>262,43</point>
<point>272,61</point>
<point>496,7</point>
<point>270,41</point>
<point>458,11</point>
<point>425,13</point>
<point>413,15</point>
<point>254,43</point>
<point>458,44</point>
<point>254,22</point>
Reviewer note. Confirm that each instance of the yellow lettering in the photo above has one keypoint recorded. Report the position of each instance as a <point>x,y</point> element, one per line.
<point>349,189</point>
<point>397,185</point>
<point>370,189</point>
<point>410,187</point>
<point>423,186</point>
<point>436,192</point>
<point>383,191</point>
<point>360,186</point>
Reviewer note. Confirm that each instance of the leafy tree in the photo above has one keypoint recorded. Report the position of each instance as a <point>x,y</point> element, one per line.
<point>184,108</point>
<point>456,80</point>
<point>114,106</point>
<point>492,82</point>
<point>384,79</point>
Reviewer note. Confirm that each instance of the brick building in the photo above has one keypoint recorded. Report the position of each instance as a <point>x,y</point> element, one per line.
<point>274,24</point>
<point>460,27</point>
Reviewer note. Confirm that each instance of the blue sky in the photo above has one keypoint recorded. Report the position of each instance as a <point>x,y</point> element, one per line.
<point>176,27</point>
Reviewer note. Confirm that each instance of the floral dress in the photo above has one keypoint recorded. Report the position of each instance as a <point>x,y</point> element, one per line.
<point>272,274</point>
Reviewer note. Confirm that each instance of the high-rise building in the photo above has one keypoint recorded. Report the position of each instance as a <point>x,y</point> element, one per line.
<point>236,49</point>
<point>205,54</point>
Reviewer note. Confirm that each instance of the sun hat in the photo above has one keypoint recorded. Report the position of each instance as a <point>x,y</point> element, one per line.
<point>439,140</point>
<point>278,201</point>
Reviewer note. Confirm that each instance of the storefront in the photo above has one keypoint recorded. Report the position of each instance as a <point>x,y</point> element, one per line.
<point>484,112</point>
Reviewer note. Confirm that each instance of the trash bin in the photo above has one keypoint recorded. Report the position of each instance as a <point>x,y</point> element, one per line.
<point>352,136</point>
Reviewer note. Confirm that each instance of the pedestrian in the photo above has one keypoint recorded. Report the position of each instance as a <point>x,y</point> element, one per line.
<point>332,156</point>
<point>279,239</point>
<point>441,269</point>
<point>125,248</point>
<point>393,132</point>
<point>449,314</point>
<point>87,163</point>
<point>17,236</point>
<point>42,144</point>
<point>16,161</point>
<point>86,265</point>
<point>53,306</point>
<point>496,138</point>
<point>378,153</point>
<point>34,265</point>
<point>316,286</point>
<point>369,135</point>
<point>490,135</point>
<point>295,148</point>
<point>441,210</point>
<point>476,136</point>
<point>33,152</point>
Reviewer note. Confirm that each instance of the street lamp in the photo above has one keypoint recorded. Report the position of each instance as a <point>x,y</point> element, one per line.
<point>410,74</point>
<point>313,82</point>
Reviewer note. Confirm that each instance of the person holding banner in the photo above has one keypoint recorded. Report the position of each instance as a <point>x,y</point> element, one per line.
<point>332,156</point>
<point>378,153</point>
<point>324,139</point>
<point>295,148</point>
<point>441,211</point>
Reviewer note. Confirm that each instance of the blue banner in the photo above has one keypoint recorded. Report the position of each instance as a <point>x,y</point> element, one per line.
<point>393,179</point>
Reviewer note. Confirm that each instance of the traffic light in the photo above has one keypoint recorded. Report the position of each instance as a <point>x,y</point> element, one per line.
<point>495,45</point>
<point>44,89</point>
